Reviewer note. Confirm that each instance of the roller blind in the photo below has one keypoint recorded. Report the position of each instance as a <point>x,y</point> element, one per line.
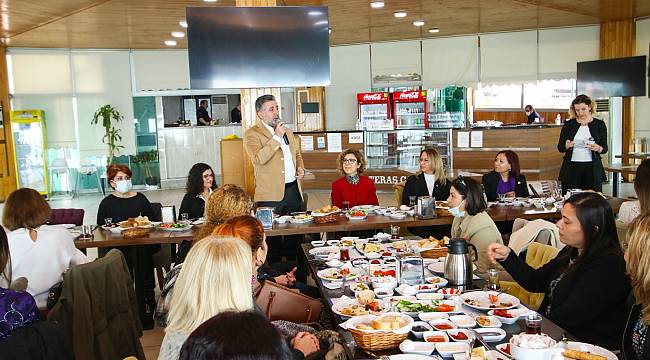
<point>561,49</point>
<point>41,72</point>
<point>395,58</point>
<point>452,60</point>
<point>161,70</point>
<point>508,57</point>
<point>350,74</point>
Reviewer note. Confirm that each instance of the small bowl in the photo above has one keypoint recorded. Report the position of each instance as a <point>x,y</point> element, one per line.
<point>448,349</point>
<point>335,263</point>
<point>381,293</point>
<point>437,280</point>
<point>450,292</point>
<point>454,332</point>
<point>559,205</point>
<point>333,242</point>
<point>375,261</point>
<point>353,238</point>
<point>447,325</point>
<point>429,296</point>
<point>398,215</point>
<point>433,316</point>
<point>385,284</point>
<point>430,334</point>
<point>417,347</point>
<point>419,334</point>
<point>504,320</point>
<point>281,219</point>
<point>407,290</point>
<point>494,322</point>
<point>463,321</point>
<point>318,243</point>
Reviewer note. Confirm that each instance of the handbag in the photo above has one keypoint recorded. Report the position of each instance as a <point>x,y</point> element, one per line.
<point>281,303</point>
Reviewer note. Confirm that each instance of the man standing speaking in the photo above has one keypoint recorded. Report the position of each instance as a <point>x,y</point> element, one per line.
<point>276,158</point>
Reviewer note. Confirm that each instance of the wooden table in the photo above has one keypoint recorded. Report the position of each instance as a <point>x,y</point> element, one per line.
<point>353,352</point>
<point>617,169</point>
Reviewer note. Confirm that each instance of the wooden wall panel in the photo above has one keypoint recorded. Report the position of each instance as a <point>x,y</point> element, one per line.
<point>8,181</point>
<point>516,117</point>
<point>310,122</point>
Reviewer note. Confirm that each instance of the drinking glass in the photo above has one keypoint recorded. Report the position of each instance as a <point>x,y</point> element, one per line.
<point>533,324</point>
<point>346,205</point>
<point>471,335</point>
<point>394,232</point>
<point>413,200</point>
<point>185,217</point>
<point>493,279</point>
<point>108,222</point>
<point>502,198</point>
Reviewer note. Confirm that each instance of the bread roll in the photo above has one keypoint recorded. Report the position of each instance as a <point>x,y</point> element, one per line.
<point>581,355</point>
<point>380,325</point>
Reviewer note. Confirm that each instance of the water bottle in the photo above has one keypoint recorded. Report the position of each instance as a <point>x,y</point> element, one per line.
<point>558,119</point>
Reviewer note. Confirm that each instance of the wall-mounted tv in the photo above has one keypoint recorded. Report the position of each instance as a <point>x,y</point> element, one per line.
<point>309,108</point>
<point>252,47</point>
<point>613,77</point>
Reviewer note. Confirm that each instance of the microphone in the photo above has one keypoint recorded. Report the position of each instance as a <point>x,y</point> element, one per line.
<point>286,139</point>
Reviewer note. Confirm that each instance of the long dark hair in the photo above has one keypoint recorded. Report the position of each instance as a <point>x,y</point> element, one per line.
<point>235,336</point>
<point>513,159</point>
<point>195,179</point>
<point>5,257</point>
<point>597,221</point>
<point>642,185</point>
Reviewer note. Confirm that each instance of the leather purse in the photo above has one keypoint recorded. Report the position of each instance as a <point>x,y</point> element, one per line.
<point>281,303</point>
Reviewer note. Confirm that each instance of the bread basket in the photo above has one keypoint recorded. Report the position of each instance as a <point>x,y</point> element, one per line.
<point>322,218</point>
<point>135,232</point>
<point>375,340</point>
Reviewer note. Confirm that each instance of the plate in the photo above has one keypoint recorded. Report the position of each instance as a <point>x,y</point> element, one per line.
<point>325,252</point>
<point>448,349</point>
<point>491,338</point>
<point>184,227</point>
<point>437,280</point>
<point>67,226</point>
<point>479,300</point>
<point>333,274</point>
<point>463,321</point>
<point>199,221</point>
<point>409,357</point>
<point>415,348</point>
<point>594,349</point>
<point>494,322</point>
<point>301,219</point>
<point>365,207</point>
<point>339,306</point>
<point>356,217</point>
<point>439,267</point>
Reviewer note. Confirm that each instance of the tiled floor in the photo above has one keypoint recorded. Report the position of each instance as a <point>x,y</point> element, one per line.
<point>152,339</point>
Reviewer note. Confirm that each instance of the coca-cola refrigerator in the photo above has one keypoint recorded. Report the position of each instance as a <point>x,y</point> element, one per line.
<point>410,109</point>
<point>375,111</point>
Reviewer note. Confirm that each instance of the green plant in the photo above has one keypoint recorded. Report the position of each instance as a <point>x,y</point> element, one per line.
<point>109,117</point>
<point>145,158</point>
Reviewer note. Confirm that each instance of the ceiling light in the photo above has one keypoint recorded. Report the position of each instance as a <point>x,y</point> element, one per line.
<point>170,42</point>
<point>329,30</point>
<point>210,0</point>
<point>178,34</point>
<point>418,23</point>
<point>377,4</point>
<point>183,23</point>
<point>400,14</point>
<point>434,30</point>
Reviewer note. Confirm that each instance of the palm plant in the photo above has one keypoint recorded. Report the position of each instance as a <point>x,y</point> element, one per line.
<point>109,117</point>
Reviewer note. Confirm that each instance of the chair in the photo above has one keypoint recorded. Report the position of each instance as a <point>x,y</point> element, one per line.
<point>621,230</point>
<point>162,259</point>
<point>537,255</point>
<point>545,188</point>
<point>87,170</point>
<point>399,189</point>
<point>98,309</point>
<point>59,167</point>
<point>67,216</point>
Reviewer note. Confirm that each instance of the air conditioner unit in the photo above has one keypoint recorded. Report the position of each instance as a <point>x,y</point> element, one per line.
<point>220,109</point>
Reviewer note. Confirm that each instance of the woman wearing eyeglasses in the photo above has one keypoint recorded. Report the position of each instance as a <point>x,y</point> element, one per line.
<point>200,184</point>
<point>467,204</point>
<point>352,187</point>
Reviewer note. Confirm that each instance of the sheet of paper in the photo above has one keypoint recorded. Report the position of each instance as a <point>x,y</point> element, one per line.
<point>355,138</point>
<point>334,142</point>
<point>190,110</point>
<point>463,139</point>
<point>320,142</point>
<point>306,143</point>
<point>477,139</point>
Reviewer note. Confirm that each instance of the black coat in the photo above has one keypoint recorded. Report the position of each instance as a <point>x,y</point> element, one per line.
<point>628,351</point>
<point>192,205</point>
<point>417,186</point>
<point>491,181</point>
<point>589,302</point>
<point>39,340</point>
<point>598,131</point>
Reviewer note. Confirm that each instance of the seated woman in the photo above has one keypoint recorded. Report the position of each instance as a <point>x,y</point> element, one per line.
<point>236,336</point>
<point>216,277</point>
<point>631,209</point>
<point>200,184</point>
<point>41,253</point>
<point>471,222</point>
<point>429,181</point>
<point>506,178</point>
<point>635,339</point>
<point>575,296</point>
<point>19,307</point>
<point>124,203</point>
<point>352,187</point>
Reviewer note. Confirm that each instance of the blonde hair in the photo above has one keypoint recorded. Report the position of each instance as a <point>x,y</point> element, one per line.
<point>227,201</point>
<point>215,277</point>
<point>638,262</point>
<point>435,163</point>
<point>357,154</point>
<point>581,99</point>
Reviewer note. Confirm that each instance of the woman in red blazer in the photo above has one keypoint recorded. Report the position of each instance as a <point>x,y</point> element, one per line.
<point>352,187</point>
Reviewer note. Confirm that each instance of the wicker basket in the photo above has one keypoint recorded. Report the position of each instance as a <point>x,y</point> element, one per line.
<point>329,218</point>
<point>377,340</point>
<point>435,253</point>
<point>135,232</point>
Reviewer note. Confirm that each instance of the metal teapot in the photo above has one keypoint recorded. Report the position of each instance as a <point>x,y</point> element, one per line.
<point>459,268</point>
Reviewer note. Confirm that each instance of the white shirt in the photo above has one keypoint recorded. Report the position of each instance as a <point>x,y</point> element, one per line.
<point>581,153</point>
<point>431,182</point>
<point>42,261</point>
<point>629,211</point>
<point>289,167</point>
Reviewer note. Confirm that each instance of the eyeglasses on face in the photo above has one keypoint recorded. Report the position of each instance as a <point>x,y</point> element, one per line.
<point>349,161</point>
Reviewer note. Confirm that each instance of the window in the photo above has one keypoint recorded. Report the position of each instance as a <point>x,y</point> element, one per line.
<point>550,94</point>
<point>498,96</point>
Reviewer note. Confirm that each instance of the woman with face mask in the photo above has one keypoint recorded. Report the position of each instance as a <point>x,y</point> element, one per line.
<point>124,203</point>
<point>467,204</point>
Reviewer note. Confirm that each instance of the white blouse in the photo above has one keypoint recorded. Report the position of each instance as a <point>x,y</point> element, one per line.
<point>431,182</point>
<point>42,261</point>
<point>629,211</point>
<point>581,152</point>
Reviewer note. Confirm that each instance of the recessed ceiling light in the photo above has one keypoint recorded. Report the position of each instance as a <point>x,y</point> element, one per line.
<point>182,23</point>
<point>170,42</point>
<point>178,34</point>
<point>418,23</point>
<point>210,0</point>
<point>329,30</point>
<point>400,14</point>
<point>377,4</point>
<point>434,30</point>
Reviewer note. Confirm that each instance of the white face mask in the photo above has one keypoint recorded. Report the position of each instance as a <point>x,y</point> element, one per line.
<point>456,212</point>
<point>123,186</point>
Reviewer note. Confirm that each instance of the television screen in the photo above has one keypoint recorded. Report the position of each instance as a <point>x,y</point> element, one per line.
<point>613,77</point>
<point>254,47</point>
<point>309,108</point>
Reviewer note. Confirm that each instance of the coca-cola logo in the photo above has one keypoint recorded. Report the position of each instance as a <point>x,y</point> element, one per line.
<point>372,97</point>
<point>410,95</point>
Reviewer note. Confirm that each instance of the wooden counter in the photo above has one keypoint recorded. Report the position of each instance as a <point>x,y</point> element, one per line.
<point>536,146</point>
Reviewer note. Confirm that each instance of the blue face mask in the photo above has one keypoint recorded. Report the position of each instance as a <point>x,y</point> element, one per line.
<point>456,212</point>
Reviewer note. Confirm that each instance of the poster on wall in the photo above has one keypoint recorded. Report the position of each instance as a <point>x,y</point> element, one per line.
<point>321,142</point>
<point>334,142</point>
<point>476,139</point>
<point>306,143</point>
<point>355,138</point>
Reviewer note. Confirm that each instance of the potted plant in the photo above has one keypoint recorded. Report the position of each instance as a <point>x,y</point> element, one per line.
<point>109,118</point>
<point>145,158</point>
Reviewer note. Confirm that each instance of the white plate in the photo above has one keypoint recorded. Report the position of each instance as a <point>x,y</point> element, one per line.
<point>481,302</point>
<point>409,357</point>
<point>429,296</point>
<point>439,267</point>
<point>433,316</point>
<point>325,252</point>
<point>199,221</point>
<point>306,220</point>
<point>516,314</point>
<point>463,321</point>
<point>437,280</point>
<point>494,322</point>
<point>426,288</point>
<point>448,349</point>
<point>414,348</point>
<point>325,273</point>
<point>594,349</point>
<point>365,207</point>
<point>117,229</point>
<point>455,332</point>
<point>336,308</point>
<point>356,217</point>
<point>187,227</point>
<point>67,226</point>
<point>494,338</point>
<point>444,292</point>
